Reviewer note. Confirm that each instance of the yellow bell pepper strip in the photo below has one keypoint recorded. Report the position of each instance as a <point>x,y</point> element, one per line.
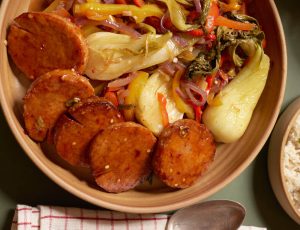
<point>222,21</point>
<point>213,13</point>
<point>163,109</point>
<point>181,105</point>
<point>104,10</point>
<point>232,5</point>
<point>135,88</point>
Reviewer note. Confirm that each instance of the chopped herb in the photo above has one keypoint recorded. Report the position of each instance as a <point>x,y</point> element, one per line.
<point>39,124</point>
<point>126,106</point>
<point>183,131</point>
<point>72,101</point>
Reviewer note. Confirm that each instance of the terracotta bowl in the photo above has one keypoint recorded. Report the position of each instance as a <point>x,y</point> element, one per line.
<point>231,159</point>
<point>276,158</point>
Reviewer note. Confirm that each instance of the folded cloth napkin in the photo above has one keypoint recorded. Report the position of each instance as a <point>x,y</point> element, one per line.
<point>61,218</point>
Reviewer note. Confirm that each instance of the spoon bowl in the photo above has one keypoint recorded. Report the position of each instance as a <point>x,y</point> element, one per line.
<point>215,214</point>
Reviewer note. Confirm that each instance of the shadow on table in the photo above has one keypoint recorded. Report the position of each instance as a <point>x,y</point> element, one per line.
<point>268,206</point>
<point>21,182</point>
<point>289,13</point>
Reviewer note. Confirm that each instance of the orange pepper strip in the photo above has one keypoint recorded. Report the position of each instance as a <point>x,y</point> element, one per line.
<point>222,21</point>
<point>112,97</point>
<point>163,109</point>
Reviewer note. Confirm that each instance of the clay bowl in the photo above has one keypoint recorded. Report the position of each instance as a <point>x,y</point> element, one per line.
<point>231,159</point>
<point>276,157</point>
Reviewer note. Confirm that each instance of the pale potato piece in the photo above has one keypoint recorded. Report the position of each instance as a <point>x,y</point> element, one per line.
<point>148,109</point>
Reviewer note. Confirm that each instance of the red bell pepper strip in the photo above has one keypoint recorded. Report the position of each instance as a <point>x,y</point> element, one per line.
<point>112,97</point>
<point>198,113</point>
<point>139,3</point>
<point>121,1</point>
<point>213,13</point>
<point>163,109</point>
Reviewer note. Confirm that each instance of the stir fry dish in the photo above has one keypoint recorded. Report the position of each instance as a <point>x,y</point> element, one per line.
<point>135,87</point>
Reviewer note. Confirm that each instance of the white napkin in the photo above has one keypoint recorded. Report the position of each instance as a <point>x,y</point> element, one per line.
<point>61,218</point>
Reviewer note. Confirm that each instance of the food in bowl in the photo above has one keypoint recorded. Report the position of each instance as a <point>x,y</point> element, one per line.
<point>154,64</point>
<point>291,159</point>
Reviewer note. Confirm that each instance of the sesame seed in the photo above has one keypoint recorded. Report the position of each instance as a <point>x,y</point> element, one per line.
<point>74,143</point>
<point>125,139</point>
<point>191,48</point>
<point>118,116</point>
<point>171,170</point>
<point>176,185</point>
<point>175,59</point>
<point>111,121</point>
<point>119,180</point>
<point>5,42</point>
<point>106,167</point>
<point>30,16</point>
<point>148,150</point>
<point>183,180</point>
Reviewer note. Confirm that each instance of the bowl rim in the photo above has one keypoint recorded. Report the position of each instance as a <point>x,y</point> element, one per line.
<point>159,208</point>
<point>291,121</point>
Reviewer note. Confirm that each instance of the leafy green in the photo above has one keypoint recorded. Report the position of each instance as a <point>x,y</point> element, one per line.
<point>111,55</point>
<point>207,62</point>
<point>205,8</point>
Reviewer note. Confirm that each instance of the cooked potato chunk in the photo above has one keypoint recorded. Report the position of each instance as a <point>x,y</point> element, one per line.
<point>148,109</point>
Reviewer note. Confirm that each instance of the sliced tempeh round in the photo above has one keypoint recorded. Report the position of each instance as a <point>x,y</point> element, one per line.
<point>121,156</point>
<point>47,97</point>
<point>85,119</point>
<point>40,42</point>
<point>184,151</point>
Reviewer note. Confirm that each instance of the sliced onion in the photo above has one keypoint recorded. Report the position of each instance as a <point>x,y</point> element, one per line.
<point>167,68</point>
<point>163,29</point>
<point>198,6</point>
<point>122,81</point>
<point>180,66</point>
<point>122,94</point>
<point>181,94</point>
<point>180,41</point>
<point>121,27</point>
<point>109,1</point>
<point>191,87</point>
<point>68,4</point>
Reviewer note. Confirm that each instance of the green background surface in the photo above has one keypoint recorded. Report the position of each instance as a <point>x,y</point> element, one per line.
<point>21,182</point>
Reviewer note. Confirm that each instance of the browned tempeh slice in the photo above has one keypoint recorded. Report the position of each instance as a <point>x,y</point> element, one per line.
<point>73,134</point>
<point>40,42</point>
<point>46,100</point>
<point>184,151</point>
<point>121,156</point>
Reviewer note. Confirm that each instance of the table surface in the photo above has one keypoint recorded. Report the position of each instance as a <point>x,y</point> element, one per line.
<point>22,182</point>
